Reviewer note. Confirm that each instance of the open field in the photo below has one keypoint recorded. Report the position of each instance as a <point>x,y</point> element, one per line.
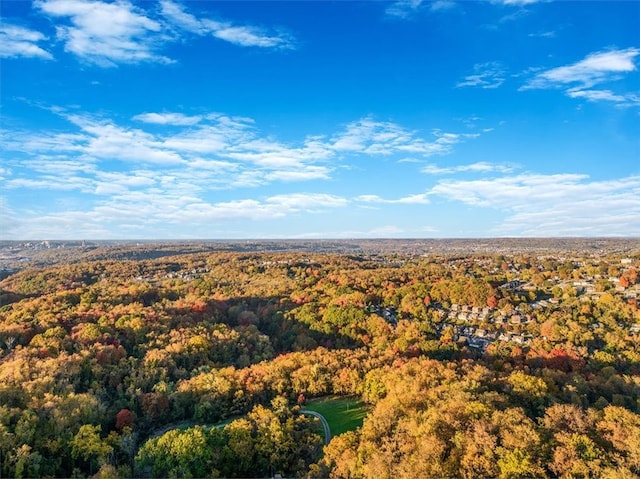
<point>342,414</point>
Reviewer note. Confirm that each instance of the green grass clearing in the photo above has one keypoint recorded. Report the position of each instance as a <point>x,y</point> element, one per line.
<point>342,414</point>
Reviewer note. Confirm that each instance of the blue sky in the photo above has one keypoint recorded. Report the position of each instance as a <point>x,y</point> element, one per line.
<point>317,119</point>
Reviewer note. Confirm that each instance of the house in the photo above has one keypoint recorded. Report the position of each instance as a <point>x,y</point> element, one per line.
<point>504,337</point>
<point>479,343</point>
<point>513,285</point>
<point>516,319</point>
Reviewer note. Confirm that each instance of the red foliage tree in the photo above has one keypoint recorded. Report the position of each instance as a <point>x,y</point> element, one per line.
<point>492,301</point>
<point>124,418</point>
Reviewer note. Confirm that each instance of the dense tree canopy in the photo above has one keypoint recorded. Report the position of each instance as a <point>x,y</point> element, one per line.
<point>193,365</point>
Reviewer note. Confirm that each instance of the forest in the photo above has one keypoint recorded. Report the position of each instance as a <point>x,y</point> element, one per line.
<point>202,363</point>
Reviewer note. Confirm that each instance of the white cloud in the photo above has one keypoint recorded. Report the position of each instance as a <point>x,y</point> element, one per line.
<point>544,34</point>
<point>113,182</point>
<point>403,8</point>
<point>418,199</point>
<point>17,41</point>
<point>368,136</point>
<point>107,141</point>
<point>60,165</point>
<point>176,119</point>
<point>309,172</point>
<point>209,151</point>
<point>106,34</point>
<point>595,69</point>
<point>51,183</point>
<point>8,220</point>
<point>478,167</point>
<point>241,35</point>
<point>553,205</point>
<point>485,75</point>
<point>267,153</point>
<point>605,95</point>
<point>439,5</point>
<point>307,202</point>
<point>248,36</point>
<point>220,152</point>
<point>516,3</point>
<point>134,179</point>
<point>175,13</point>
<point>128,214</point>
<point>407,8</point>
<point>63,225</point>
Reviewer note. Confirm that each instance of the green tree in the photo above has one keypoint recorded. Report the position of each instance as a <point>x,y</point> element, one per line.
<point>517,464</point>
<point>193,452</point>
<point>88,445</point>
<point>27,462</point>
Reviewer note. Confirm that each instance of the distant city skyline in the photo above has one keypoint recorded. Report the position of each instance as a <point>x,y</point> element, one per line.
<point>304,120</point>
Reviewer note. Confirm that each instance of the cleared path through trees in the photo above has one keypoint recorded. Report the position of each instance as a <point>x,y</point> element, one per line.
<point>323,421</point>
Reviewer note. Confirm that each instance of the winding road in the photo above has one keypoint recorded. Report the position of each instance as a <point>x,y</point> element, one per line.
<point>323,421</point>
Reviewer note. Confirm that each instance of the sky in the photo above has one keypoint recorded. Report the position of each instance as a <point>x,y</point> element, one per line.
<point>169,119</point>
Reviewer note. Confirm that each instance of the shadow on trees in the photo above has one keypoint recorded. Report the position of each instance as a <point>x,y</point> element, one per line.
<point>245,332</point>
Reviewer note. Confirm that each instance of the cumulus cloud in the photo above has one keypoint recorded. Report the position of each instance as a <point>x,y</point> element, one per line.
<point>17,41</point>
<point>106,34</point>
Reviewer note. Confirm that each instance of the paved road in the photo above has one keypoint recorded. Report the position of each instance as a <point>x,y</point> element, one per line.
<point>325,424</point>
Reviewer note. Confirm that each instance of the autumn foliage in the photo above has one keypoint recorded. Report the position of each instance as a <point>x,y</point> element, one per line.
<point>121,368</point>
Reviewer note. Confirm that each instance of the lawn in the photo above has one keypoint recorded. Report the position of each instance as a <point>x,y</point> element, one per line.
<point>342,413</point>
